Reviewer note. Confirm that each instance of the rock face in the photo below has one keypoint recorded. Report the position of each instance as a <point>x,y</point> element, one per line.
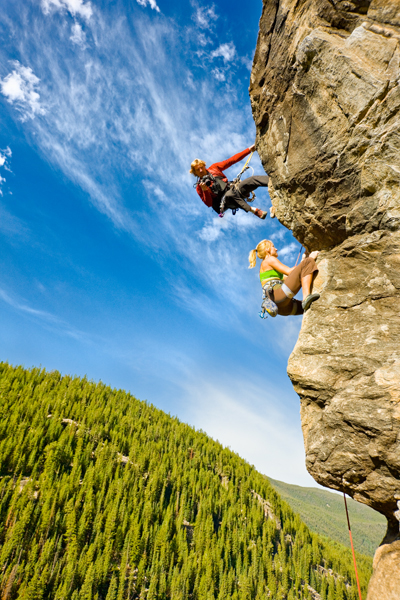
<point>325,93</point>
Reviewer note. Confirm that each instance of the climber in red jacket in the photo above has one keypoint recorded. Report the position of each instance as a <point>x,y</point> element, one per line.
<point>217,192</point>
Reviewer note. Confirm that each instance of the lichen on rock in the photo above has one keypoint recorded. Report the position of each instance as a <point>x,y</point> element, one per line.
<point>325,94</point>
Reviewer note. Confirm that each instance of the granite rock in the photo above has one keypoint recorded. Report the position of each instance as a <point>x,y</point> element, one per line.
<point>325,94</point>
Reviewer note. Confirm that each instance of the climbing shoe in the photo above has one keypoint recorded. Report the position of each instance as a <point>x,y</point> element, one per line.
<point>309,300</point>
<point>268,304</point>
<point>260,213</point>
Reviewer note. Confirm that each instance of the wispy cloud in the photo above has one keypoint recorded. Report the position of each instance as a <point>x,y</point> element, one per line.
<point>74,7</point>
<point>217,227</point>
<point>25,308</point>
<point>52,320</point>
<point>78,36</point>
<point>205,16</point>
<point>289,250</point>
<point>12,226</point>
<point>5,156</point>
<point>151,3</point>
<point>219,74</point>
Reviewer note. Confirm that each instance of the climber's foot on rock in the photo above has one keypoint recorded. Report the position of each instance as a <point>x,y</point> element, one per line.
<point>309,300</point>
<point>261,214</point>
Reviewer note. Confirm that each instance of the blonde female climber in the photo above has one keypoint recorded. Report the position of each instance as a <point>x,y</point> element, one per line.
<point>278,290</point>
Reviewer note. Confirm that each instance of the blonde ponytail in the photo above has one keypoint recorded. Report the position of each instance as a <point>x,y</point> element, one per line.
<point>252,258</point>
<point>261,250</point>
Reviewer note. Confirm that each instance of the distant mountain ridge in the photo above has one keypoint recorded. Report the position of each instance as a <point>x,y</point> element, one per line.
<point>324,513</point>
<point>104,497</point>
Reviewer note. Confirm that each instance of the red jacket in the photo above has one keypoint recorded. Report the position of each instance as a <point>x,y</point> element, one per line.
<point>217,170</point>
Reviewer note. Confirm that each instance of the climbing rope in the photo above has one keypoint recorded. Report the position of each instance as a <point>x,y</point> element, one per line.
<point>298,256</point>
<point>352,547</point>
<point>245,167</point>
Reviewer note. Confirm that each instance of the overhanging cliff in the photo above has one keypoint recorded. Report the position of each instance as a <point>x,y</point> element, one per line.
<point>325,93</point>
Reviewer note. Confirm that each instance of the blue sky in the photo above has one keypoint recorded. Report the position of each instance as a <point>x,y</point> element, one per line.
<point>111,266</point>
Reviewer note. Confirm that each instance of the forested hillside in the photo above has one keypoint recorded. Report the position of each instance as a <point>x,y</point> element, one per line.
<point>105,497</point>
<point>324,513</point>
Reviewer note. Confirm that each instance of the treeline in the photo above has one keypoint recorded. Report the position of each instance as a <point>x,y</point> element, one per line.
<point>103,496</point>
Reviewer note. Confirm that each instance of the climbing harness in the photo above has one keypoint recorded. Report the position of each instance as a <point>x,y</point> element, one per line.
<point>352,547</point>
<point>235,185</point>
<point>268,289</point>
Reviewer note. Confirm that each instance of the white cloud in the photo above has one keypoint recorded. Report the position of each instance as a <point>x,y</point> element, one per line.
<point>247,62</point>
<point>289,251</point>
<point>219,74</point>
<point>225,51</point>
<point>152,4</point>
<point>210,232</point>
<point>75,7</point>
<point>205,16</point>
<point>19,88</point>
<point>78,35</point>
<point>4,157</point>
<point>202,39</point>
<point>216,227</point>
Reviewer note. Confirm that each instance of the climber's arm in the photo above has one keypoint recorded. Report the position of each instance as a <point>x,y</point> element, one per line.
<point>204,194</point>
<point>276,264</point>
<point>225,164</point>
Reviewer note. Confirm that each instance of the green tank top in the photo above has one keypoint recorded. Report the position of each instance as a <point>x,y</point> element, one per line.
<point>272,274</point>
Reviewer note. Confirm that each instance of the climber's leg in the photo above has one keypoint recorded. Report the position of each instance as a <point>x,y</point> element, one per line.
<point>252,183</point>
<point>301,277</point>
<point>236,196</point>
<point>290,308</point>
<point>306,282</point>
<point>294,281</point>
<point>233,199</point>
<point>290,287</point>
